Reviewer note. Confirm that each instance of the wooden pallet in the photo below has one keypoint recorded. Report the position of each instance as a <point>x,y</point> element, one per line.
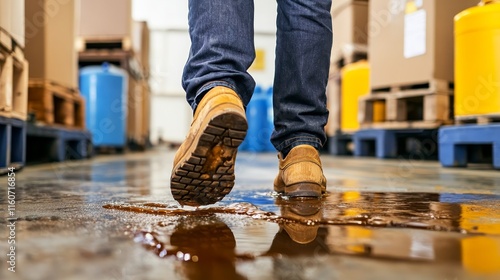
<point>440,86</point>
<point>422,106</point>
<point>103,43</point>
<point>54,104</point>
<point>12,144</point>
<point>120,58</point>
<point>13,83</point>
<point>478,119</point>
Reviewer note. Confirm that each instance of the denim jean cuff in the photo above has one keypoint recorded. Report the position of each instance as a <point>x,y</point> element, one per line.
<point>206,87</point>
<point>286,146</point>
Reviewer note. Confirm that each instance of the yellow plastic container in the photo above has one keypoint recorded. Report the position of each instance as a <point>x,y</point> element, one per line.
<point>378,111</point>
<point>477,61</point>
<point>355,83</point>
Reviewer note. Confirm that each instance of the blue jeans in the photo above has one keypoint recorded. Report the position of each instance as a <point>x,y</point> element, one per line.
<point>222,50</point>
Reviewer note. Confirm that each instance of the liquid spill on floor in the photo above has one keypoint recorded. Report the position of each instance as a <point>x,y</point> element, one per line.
<point>431,211</point>
<point>63,231</point>
<point>392,226</point>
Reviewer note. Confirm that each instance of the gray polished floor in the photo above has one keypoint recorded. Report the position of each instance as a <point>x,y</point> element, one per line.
<point>113,218</point>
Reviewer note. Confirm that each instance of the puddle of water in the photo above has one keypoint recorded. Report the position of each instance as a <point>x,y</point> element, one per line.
<point>438,228</point>
<point>430,211</point>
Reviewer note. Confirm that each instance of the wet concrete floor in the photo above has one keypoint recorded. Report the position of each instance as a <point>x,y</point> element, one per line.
<point>113,218</point>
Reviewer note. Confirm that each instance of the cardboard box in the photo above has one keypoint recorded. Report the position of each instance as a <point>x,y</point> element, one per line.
<point>140,43</point>
<point>134,111</point>
<point>50,41</point>
<point>146,110</point>
<point>12,19</point>
<point>105,18</point>
<point>5,15</point>
<point>411,42</point>
<point>333,102</point>
<point>350,26</point>
<point>17,21</point>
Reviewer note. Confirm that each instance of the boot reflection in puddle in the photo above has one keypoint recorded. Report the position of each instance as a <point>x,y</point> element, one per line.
<point>299,236</point>
<point>210,248</point>
<point>300,233</point>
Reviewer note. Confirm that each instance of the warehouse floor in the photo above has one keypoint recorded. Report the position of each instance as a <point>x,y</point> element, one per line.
<point>113,218</point>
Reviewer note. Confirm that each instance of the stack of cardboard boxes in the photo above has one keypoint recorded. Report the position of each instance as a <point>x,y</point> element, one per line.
<point>411,56</point>
<point>350,38</point>
<point>13,85</point>
<point>411,50</point>
<point>411,53</point>
<point>115,38</point>
<point>54,98</point>
<point>14,66</point>
<point>56,129</point>
<point>105,22</point>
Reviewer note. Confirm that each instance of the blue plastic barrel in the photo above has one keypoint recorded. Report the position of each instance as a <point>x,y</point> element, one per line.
<point>269,125</point>
<point>260,122</point>
<point>104,89</point>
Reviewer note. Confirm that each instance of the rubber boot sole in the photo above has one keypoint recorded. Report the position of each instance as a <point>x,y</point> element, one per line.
<point>298,190</point>
<point>205,173</point>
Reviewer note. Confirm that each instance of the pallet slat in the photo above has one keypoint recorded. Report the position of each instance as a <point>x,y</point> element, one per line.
<point>103,43</point>
<point>417,88</point>
<point>478,119</point>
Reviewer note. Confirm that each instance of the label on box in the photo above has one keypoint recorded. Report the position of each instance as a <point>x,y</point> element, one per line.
<point>415,34</point>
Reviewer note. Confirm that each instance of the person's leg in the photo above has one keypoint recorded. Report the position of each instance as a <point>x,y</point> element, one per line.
<point>304,41</point>
<point>217,85</point>
<point>222,48</point>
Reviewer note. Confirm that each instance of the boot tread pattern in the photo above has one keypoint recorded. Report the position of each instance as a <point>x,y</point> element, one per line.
<point>207,175</point>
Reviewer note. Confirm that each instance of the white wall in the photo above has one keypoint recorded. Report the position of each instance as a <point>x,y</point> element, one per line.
<point>265,38</point>
<point>170,114</point>
<point>161,14</point>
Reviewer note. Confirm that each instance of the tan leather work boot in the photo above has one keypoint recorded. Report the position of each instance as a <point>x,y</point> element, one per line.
<point>300,174</point>
<point>203,171</point>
